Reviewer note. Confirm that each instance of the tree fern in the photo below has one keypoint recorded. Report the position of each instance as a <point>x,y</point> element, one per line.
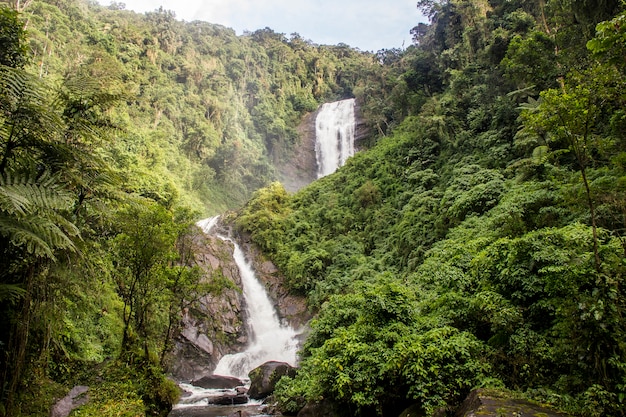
<point>30,214</point>
<point>11,292</point>
<point>30,122</point>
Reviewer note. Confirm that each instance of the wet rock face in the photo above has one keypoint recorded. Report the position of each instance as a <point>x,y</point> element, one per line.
<point>74,399</point>
<point>215,326</point>
<point>300,168</point>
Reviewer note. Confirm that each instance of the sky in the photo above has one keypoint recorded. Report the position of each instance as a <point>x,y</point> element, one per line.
<point>369,25</point>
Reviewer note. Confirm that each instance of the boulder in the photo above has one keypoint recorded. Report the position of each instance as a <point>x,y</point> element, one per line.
<point>322,408</point>
<point>491,403</point>
<point>229,398</point>
<point>264,378</point>
<point>75,398</point>
<point>217,382</point>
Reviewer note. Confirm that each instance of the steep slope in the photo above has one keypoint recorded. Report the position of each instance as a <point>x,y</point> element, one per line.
<point>482,243</point>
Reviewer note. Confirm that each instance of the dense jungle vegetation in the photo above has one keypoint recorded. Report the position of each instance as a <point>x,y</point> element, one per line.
<point>481,242</point>
<point>117,132</point>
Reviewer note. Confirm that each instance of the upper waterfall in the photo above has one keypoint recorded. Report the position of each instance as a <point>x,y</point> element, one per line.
<point>334,135</point>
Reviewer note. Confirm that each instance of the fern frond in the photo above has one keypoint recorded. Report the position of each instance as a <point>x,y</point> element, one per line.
<point>26,108</point>
<point>541,154</point>
<point>22,235</point>
<point>25,194</point>
<point>30,207</point>
<point>20,86</point>
<point>11,293</point>
<point>38,235</point>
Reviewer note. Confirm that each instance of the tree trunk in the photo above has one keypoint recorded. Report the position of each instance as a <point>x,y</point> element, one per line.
<point>592,213</point>
<point>18,341</point>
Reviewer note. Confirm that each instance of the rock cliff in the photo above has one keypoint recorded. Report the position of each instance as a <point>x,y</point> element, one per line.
<point>216,326</point>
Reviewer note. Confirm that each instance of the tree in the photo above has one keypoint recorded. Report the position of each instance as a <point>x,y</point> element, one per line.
<point>12,39</point>
<point>143,248</point>
<point>573,118</point>
<point>33,201</point>
<point>610,41</point>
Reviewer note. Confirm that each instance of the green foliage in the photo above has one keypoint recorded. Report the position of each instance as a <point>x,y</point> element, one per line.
<point>610,40</point>
<point>263,214</point>
<point>468,247</point>
<point>472,247</point>
<point>530,61</point>
<point>368,351</point>
<point>29,214</point>
<point>124,391</point>
<point>12,36</point>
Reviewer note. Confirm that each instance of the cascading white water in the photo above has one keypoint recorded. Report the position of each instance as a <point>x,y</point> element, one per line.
<point>334,135</point>
<point>270,340</point>
<point>207,224</point>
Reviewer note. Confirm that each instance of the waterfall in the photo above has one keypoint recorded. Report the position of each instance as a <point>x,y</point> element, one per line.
<point>334,135</point>
<point>208,224</point>
<point>270,340</point>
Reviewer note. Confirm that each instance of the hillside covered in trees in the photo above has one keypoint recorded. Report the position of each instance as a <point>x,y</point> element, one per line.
<point>202,114</point>
<point>483,242</point>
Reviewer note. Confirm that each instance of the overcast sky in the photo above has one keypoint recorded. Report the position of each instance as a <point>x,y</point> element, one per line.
<point>369,25</point>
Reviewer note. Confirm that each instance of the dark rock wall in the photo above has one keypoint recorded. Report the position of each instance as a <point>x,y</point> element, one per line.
<point>216,326</point>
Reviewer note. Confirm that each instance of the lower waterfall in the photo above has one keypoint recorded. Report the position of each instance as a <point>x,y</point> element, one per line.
<point>270,339</point>
<point>334,135</point>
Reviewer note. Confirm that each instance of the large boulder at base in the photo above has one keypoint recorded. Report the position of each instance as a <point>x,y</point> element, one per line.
<point>264,378</point>
<point>322,408</point>
<point>217,382</point>
<point>491,403</point>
